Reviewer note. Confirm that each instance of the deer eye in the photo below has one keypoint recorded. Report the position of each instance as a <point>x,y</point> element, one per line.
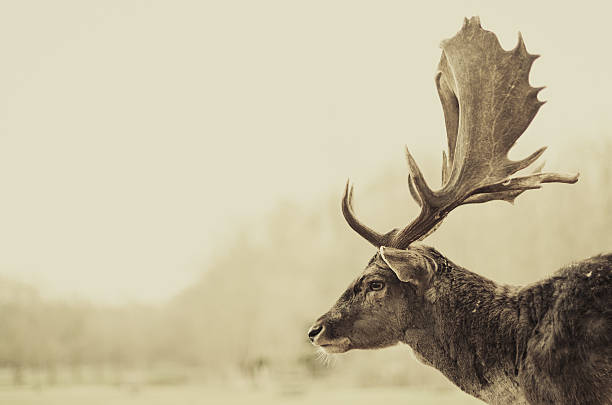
<point>376,285</point>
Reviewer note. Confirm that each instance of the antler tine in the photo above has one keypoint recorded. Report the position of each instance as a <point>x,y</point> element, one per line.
<point>375,238</point>
<point>420,187</point>
<point>428,218</point>
<point>512,188</point>
<point>415,196</point>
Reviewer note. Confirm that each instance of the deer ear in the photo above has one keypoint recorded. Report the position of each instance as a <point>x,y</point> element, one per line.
<point>412,265</point>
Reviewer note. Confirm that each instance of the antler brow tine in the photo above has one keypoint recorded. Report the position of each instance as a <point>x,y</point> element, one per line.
<point>366,232</point>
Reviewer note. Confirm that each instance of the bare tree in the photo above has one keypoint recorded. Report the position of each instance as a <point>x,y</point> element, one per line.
<point>545,343</point>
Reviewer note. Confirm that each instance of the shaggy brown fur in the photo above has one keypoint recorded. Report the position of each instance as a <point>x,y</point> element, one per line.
<point>546,343</point>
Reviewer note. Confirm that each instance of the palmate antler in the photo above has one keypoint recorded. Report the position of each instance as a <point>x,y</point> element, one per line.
<point>488,103</point>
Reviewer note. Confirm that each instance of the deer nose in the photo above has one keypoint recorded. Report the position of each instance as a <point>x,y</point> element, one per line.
<point>314,331</point>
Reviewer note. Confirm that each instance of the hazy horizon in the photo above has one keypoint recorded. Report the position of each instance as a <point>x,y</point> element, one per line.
<point>136,137</point>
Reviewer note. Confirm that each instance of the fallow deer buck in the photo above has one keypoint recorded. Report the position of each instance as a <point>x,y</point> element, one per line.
<point>545,343</point>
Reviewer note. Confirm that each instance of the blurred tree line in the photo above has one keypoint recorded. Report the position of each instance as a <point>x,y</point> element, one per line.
<point>250,310</point>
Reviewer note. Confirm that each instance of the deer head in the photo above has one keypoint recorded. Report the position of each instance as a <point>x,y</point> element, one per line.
<point>488,103</point>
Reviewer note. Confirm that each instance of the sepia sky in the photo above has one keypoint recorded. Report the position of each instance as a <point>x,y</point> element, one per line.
<point>135,136</point>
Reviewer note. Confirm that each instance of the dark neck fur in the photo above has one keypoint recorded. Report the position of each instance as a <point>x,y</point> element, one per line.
<point>473,332</point>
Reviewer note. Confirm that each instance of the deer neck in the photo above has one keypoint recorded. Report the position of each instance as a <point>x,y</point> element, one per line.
<point>471,333</point>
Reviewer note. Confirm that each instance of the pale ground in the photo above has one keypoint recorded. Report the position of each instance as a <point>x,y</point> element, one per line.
<point>195,395</point>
